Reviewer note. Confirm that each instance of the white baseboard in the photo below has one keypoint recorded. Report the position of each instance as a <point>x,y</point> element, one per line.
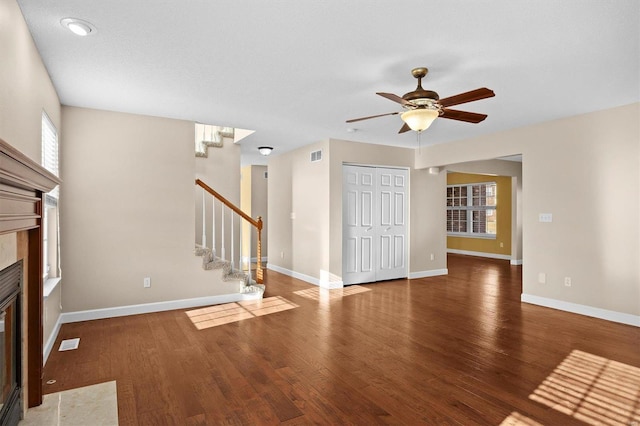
<point>480,254</point>
<point>120,311</point>
<point>325,283</point>
<point>575,308</point>
<point>255,259</point>
<point>429,273</point>
<point>48,346</point>
<point>516,262</point>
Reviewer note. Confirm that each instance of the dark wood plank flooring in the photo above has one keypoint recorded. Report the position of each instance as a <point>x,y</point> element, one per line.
<point>452,350</point>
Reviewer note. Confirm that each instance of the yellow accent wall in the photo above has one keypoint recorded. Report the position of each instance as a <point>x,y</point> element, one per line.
<point>503,211</point>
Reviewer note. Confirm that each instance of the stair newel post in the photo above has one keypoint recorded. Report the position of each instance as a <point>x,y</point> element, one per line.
<point>259,276</point>
<point>249,261</point>
<point>240,236</point>
<point>204,223</point>
<point>213,226</point>
<point>233,253</point>
<point>222,252</point>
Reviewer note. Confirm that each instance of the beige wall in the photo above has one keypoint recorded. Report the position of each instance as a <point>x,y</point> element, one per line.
<point>259,203</point>
<point>253,201</point>
<point>279,207</point>
<point>128,211</point>
<point>585,171</point>
<point>298,211</point>
<point>311,243</point>
<point>25,91</point>
<point>25,87</point>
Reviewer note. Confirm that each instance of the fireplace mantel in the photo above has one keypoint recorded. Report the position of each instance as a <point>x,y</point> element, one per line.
<point>23,183</point>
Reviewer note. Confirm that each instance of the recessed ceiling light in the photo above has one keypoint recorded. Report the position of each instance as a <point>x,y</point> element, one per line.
<point>265,150</point>
<point>78,26</point>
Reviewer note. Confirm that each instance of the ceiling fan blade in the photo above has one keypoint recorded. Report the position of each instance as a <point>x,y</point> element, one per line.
<point>394,98</point>
<point>463,98</point>
<point>469,117</point>
<point>353,120</point>
<point>404,128</point>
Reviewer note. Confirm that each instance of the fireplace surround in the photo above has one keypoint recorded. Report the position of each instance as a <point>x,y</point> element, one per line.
<point>23,183</point>
<point>10,343</point>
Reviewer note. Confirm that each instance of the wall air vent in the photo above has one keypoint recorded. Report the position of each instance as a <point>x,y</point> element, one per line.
<point>316,156</point>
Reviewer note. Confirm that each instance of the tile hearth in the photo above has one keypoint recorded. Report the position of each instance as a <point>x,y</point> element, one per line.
<point>95,405</point>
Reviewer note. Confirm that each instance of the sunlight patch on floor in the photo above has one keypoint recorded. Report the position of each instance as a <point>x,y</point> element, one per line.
<point>323,294</point>
<point>213,316</point>
<point>593,389</point>
<point>517,419</point>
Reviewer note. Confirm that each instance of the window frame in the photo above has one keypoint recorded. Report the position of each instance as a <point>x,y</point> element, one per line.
<point>469,209</point>
<point>50,161</point>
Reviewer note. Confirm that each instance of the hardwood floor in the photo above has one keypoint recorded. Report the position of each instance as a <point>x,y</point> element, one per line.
<point>452,350</point>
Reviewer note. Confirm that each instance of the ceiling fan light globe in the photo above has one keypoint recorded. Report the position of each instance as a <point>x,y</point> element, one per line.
<point>419,119</point>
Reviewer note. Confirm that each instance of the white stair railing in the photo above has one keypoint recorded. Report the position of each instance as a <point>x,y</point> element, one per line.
<point>228,229</point>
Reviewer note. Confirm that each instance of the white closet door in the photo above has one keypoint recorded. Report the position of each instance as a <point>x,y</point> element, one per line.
<point>358,237</point>
<point>374,221</point>
<point>392,226</point>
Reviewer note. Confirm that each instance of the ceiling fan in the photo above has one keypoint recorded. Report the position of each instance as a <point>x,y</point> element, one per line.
<point>422,107</point>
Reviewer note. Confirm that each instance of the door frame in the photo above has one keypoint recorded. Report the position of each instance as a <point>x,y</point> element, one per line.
<point>407,207</point>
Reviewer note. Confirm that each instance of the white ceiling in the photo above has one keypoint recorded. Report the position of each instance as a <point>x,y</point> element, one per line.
<point>294,70</point>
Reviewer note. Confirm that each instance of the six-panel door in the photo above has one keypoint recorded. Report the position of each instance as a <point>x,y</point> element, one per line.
<point>374,224</point>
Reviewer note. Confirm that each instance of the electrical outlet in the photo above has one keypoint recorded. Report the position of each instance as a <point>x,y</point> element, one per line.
<point>545,217</point>
<point>501,244</point>
<point>542,278</point>
<point>281,255</point>
<point>433,256</point>
<point>147,282</point>
<point>567,281</point>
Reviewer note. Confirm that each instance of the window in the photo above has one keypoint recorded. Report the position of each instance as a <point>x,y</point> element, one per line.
<point>471,210</point>
<point>50,216</point>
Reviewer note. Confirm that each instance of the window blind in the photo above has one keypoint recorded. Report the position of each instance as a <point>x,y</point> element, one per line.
<point>50,149</point>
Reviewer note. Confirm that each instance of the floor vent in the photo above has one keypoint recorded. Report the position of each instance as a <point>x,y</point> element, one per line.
<point>69,345</point>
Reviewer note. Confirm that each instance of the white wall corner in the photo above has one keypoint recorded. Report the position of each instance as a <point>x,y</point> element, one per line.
<point>426,274</point>
<point>575,308</point>
<point>330,281</point>
<point>48,346</point>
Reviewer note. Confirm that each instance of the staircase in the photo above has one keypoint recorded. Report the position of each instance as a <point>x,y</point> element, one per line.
<point>209,136</point>
<point>223,224</point>
<point>249,288</point>
<point>219,220</point>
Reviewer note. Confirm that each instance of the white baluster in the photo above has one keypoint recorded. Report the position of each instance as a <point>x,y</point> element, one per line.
<point>204,224</point>
<point>213,226</point>
<point>233,254</point>
<point>223,255</point>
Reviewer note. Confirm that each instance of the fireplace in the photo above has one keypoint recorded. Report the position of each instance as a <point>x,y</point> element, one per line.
<point>10,343</point>
<point>23,183</point>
